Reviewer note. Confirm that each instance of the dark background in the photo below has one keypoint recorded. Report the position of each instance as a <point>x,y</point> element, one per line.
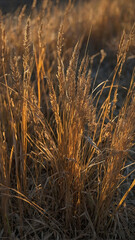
<point>11,5</point>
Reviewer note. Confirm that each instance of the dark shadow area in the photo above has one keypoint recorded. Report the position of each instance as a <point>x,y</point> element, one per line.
<point>7,6</point>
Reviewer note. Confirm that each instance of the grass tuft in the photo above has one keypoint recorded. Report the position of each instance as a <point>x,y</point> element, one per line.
<point>66,131</point>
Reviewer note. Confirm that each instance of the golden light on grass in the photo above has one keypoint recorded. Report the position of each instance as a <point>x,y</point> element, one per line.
<point>64,140</point>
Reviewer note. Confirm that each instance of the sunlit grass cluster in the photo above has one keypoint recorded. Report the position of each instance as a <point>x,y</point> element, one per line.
<point>64,147</point>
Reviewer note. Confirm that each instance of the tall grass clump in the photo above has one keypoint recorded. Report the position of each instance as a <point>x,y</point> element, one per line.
<point>65,149</point>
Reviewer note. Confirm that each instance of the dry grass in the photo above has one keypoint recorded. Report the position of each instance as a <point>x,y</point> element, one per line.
<point>64,142</point>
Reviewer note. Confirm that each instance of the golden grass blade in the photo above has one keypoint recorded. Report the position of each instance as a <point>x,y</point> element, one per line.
<point>125,195</point>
